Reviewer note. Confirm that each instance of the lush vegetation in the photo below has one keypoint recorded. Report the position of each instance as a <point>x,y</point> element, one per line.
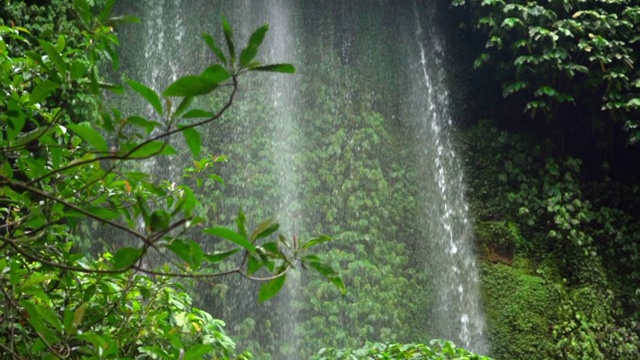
<point>70,170</point>
<point>552,186</point>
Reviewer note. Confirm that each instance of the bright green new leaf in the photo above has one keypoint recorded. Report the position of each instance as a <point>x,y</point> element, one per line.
<point>150,95</point>
<point>232,236</point>
<point>271,288</point>
<point>192,137</point>
<point>280,68</point>
<point>90,135</point>
<point>42,91</point>
<point>126,257</point>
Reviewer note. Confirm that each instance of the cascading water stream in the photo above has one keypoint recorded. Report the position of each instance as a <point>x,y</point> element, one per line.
<point>457,314</point>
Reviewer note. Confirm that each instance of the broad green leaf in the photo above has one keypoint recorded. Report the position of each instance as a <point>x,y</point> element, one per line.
<point>83,8</point>
<point>197,113</point>
<point>197,351</point>
<point>280,68</point>
<point>55,57</point>
<point>216,178</point>
<point>126,257</point>
<point>90,135</point>
<point>220,255</point>
<point>216,50</point>
<point>153,148</point>
<point>192,137</point>
<point>252,47</point>
<point>215,73</point>
<point>190,86</point>
<point>181,249</point>
<point>150,95</point>
<point>42,91</point>
<point>271,288</point>
<point>78,69</point>
<point>232,236</point>
<point>228,36</point>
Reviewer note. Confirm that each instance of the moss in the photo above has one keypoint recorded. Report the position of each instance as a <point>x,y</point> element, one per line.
<point>521,311</point>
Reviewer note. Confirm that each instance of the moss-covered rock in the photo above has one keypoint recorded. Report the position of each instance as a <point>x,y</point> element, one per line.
<point>521,312</point>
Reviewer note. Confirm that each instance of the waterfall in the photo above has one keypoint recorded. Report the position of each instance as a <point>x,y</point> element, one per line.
<point>457,314</point>
<point>358,145</point>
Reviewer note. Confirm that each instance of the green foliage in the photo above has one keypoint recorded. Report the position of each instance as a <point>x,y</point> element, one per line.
<point>67,165</point>
<point>439,350</point>
<point>580,54</point>
<point>521,308</point>
<point>573,298</point>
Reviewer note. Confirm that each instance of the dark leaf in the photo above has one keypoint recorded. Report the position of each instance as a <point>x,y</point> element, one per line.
<point>280,68</point>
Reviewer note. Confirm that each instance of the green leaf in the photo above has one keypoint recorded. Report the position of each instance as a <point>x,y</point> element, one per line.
<point>126,257</point>
<point>191,86</point>
<point>220,255</point>
<point>184,105</point>
<point>55,57</point>
<point>232,236</point>
<point>192,137</point>
<point>249,53</point>
<point>90,135</point>
<point>271,288</point>
<point>197,113</point>
<point>106,10</point>
<point>78,69</point>
<point>197,351</point>
<point>42,91</point>
<point>280,68</point>
<point>215,73</point>
<point>228,36</point>
<point>153,148</point>
<point>181,249</point>
<point>216,50</point>
<point>150,95</point>
<point>265,229</point>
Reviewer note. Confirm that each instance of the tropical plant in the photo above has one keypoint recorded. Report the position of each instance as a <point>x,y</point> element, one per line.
<point>439,350</point>
<point>580,55</point>
<point>69,169</point>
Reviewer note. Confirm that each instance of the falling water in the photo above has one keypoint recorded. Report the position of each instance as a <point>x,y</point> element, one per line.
<point>380,57</point>
<point>457,314</point>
